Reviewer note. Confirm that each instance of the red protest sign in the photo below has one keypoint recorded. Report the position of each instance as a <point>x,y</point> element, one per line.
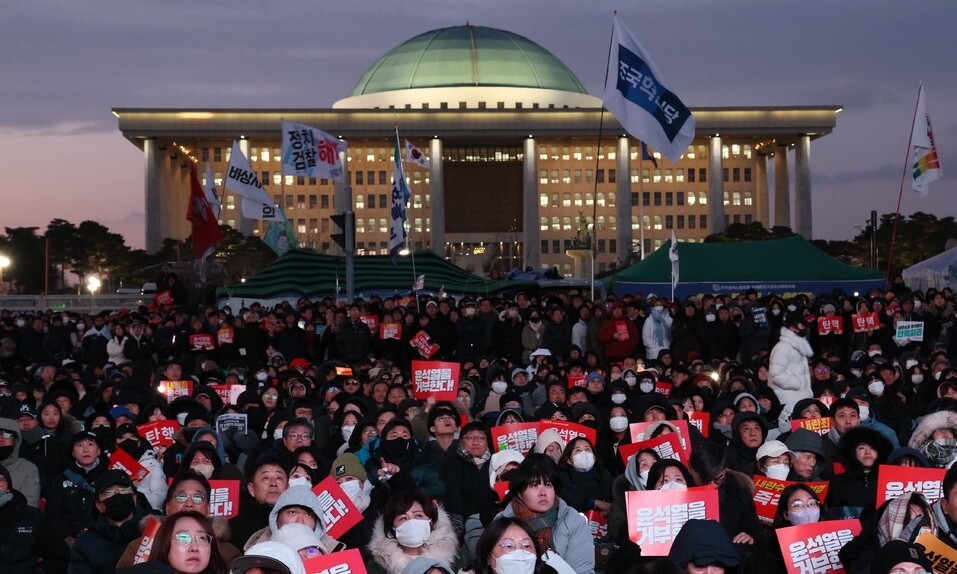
<point>576,381</point>
<point>371,321</point>
<point>638,434</point>
<point>516,436</point>
<point>621,329</point>
<point>146,541</point>
<point>865,322</point>
<point>229,394</point>
<point>390,331</point>
<point>225,335</point>
<point>812,548</point>
<point>893,481</point>
<point>666,445</point>
<point>345,562</point>
<point>501,489</point>
<point>833,325</point>
<point>700,420</point>
<point>201,342</point>
<point>819,425</point>
<point>339,514</point>
<point>158,433</point>
<point>597,525</point>
<point>435,379</point>
<point>224,498</point>
<point>656,516</point>
<point>663,388</point>
<point>163,298</point>
<point>627,451</point>
<point>767,494</point>
<point>343,371</point>
<point>173,389</point>
<point>568,430</point>
<point>121,460</point>
<point>421,342</point>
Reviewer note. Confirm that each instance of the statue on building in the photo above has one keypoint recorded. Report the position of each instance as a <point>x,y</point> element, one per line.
<point>582,237</point>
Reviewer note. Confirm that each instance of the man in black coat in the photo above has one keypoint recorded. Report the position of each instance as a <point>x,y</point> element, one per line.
<point>19,526</point>
<point>354,339</point>
<point>115,525</point>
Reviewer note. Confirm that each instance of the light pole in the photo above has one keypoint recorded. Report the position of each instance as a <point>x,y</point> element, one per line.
<point>4,263</point>
<point>93,284</point>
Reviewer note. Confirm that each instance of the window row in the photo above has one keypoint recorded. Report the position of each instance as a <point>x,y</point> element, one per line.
<point>558,246</point>
<point>546,177</point>
<point>576,199</point>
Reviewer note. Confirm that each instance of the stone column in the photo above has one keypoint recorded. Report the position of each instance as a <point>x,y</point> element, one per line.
<point>715,186</point>
<point>782,193</point>
<point>531,236</point>
<point>623,206</point>
<point>154,226</point>
<point>761,213</point>
<point>802,187</point>
<point>437,192</point>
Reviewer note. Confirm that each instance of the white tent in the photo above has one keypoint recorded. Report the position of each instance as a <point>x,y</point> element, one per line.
<point>938,272</point>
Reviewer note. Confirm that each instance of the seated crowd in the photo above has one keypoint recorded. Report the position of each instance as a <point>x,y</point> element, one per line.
<point>326,390</point>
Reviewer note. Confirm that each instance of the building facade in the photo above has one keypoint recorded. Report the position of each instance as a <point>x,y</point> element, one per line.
<point>523,161</point>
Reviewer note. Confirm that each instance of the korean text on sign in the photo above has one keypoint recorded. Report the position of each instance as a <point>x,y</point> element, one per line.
<point>338,513</point>
<point>435,378</point>
<point>655,517</point>
<point>893,481</point>
<point>517,436</point>
<point>813,548</point>
<point>224,498</point>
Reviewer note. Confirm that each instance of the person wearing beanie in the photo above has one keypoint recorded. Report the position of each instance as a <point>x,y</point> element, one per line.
<point>810,462</point>
<point>550,443</point>
<point>853,493</point>
<point>900,556</point>
<point>19,528</point>
<point>353,480</point>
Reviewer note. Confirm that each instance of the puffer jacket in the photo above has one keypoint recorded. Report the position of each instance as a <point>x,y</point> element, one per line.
<point>789,373</point>
<point>24,474</point>
<point>19,536</point>
<point>443,544</point>
<point>923,436</point>
<point>852,494</point>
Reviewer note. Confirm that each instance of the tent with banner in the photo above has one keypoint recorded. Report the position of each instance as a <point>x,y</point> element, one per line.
<point>305,273</point>
<point>787,265</point>
<point>938,272</point>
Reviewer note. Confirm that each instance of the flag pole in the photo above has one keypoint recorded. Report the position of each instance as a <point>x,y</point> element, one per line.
<point>594,212</point>
<point>900,195</point>
<point>415,292</point>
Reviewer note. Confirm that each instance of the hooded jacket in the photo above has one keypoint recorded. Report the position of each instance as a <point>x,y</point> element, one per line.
<point>789,373</point>
<point>741,457</point>
<point>571,538</point>
<point>442,545</point>
<point>24,474</point>
<point>854,492</point>
<point>803,440</point>
<point>296,496</point>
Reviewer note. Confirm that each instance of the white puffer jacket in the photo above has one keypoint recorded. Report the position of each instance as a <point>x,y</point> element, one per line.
<point>789,373</point>
<point>443,544</point>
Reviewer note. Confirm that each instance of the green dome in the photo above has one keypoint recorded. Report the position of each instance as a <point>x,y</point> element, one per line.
<point>467,56</point>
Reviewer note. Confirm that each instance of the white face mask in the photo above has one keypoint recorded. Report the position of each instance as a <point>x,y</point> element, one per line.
<point>805,516</point>
<point>646,387</point>
<point>499,387</point>
<point>631,381</point>
<point>347,431</point>
<point>643,477</point>
<point>856,372</point>
<point>299,481</point>
<point>873,353</point>
<point>277,433</point>
<point>468,311</point>
<point>792,308</point>
<point>865,411</point>
<point>204,469</point>
<point>775,311</point>
<point>516,562</point>
<point>709,317</point>
<point>917,379</point>
<point>673,485</point>
<point>618,424</point>
<point>351,488</point>
<point>262,375</point>
<point>619,398</point>
<point>778,471</point>
<point>413,533</point>
<point>876,388</point>
<point>657,308</point>
<point>911,363</point>
<point>81,326</point>
<point>583,461</point>
<point>917,304</point>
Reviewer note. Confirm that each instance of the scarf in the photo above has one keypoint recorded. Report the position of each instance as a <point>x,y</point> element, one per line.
<point>477,461</point>
<point>660,326</point>
<point>541,523</point>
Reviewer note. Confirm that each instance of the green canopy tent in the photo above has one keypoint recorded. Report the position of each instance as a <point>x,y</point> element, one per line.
<point>788,265</point>
<point>305,273</point>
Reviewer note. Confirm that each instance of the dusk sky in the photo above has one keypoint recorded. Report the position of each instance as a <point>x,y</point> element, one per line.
<point>67,63</point>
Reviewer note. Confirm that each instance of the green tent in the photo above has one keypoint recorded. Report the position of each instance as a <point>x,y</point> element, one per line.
<point>305,273</point>
<point>788,265</point>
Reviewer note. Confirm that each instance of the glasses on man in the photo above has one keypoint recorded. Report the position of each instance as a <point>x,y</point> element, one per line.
<point>510,544</point>
<point>802,504</point>
<point>196,497</point>
<point>350,383</point>
<point>185,538</point>
<point>474,438</point>
<point>299,436</point>
<point>6,434</point>
<point>112,490</point>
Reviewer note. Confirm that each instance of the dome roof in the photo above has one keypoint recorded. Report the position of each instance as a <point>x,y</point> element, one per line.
<point>467,56</point>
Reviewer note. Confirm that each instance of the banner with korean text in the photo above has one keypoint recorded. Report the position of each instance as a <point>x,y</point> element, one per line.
<point>345,562</point>
<point>516,436</point>
<point>339,514</point>
<point>893,481</point>
<point>224,498</point>
<point>310,152</point>
<point>812,548</point>
<point>437,379</point>
<point>767,494</point>
<point>656,516</point>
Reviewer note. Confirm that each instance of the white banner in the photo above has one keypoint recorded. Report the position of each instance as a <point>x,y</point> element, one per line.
<point>400,199</point>
<point>243,181</point>
<point>310,152</point>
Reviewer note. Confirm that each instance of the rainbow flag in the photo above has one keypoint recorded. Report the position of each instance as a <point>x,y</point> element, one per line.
<point>926,164</point>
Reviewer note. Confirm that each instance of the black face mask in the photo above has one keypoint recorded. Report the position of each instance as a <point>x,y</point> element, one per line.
<point>5,452</point>
<point>119,506</point>
<point>133,447</point>
<point>103,436</point>
<point>397,448</point>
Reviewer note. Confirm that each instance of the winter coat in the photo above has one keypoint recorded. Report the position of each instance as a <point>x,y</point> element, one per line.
<point>416,473</point>
<point>467,490</point>
<point>571,538</point>
<point>220,531</point>
<point>654,345</point>
<point>99,547</point>
<point>353,341</point>
<point>789,373</point>
<point>740,457</point>
<point>618,349</point>
<point>581,489</point>
<point>853,493</point>
<point>443,544</point>
<point>471,335</point>
<point>19,536</point>
<point>934,421</point>
<point>558,337</point>
<point>295,496</point>
<point>687,336</point>
<point>114,350</point>
<point>24,474</point>
<point>154,486</point>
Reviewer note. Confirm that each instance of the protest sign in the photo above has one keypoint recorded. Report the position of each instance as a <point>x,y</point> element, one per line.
<point>173,389</point>
<point>638,434</point>
<point>371,321</point>
<point>224,498</point>
<point>819,425</point>
<point>435,379</point>
<point>390,331</point>
<point>656,516</point>
<point>345,562</point>
<point>865,322</point>
<point>576,381</point>
<point>942,557</point>
<point>229,394</point>
<point>146,541</point>
<point>666,445</point>
<point>663,388</point>
<point>158,433</point>
<point>833,325</point>
<point>501,489</point>
<point>568,430</point>
<point>893,481</point>
<point>201,342</point>
<point>421,342</point>
<point>515,436</point>
<point>339,514</point>
<point>229,421</point>
<point>121,460</point>
<point>909,331</point>
<point>767,494</point>
<point>702,421</point>
<point>597,525</point>
<point>812,548</point>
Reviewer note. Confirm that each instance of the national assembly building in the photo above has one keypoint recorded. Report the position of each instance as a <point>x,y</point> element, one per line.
<point>522,160</point>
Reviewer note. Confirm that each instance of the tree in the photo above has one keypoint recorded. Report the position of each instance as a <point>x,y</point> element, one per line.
<point>25,249</point>
<point>754,231</point>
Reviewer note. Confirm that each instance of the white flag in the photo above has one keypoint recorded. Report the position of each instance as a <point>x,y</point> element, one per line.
<point>209,190</point>
<point>243,181</point>
<point>400,202</point>
<point>635,92</point>
<point>925,163</point>
<point>419,282</point>
<point>673,255</point>
<point>415,155</point>
<point>310,152</point>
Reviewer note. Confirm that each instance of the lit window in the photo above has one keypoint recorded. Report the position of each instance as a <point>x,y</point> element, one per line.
<point>702,198</point>
<point>657,178</point>
<point>736,198</point>
<point>724,152</point>
<point>277,178</point>
<point>735,150</point>
<point>680,175</point>
<point>289,180</point>
<point>566,176</point>
<point>748,200</point>
<point>566,223</point>
<point>601,199</point>
<point>556,224</point>
<point>658,222</point>
<point>370,155</point>
<point>542,176</point>
<point>360,201</point>
<point>543,223</point>
<point>611,199</point>
<point>566,200</point>
<point>612,222</point>
<point>543,200</point>
<point>578,200</point>
<point>635,224</point>
<point>589,199</point>
<point>383,226</point>
<point>692,198</point>
<point>669,178</point>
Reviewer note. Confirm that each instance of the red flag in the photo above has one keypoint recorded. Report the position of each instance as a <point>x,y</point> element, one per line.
<point>206,232</point>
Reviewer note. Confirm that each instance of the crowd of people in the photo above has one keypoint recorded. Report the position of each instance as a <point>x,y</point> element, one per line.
<point>325,396</point>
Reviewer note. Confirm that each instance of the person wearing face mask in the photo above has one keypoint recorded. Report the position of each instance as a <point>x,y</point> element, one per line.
<point>352,478</point>
<point>153,486</point>
<point>635,477</point>
<point>411,526</point>
<point>868,412</point>
<point>669,474</point>
<point>25,476</point>
<point>935,437</point>
<point>401,463</point>
<point>688,331</point>
<point>852,494</point>
<point>656,330</point>
<point>19,528</point>
<point>611,437</point>
<point>551,444</point>
<point>296,505</point>
<point>508,546</point>
<point>618,335</point>
<point>532,335</point>
<point>774,460</point>
<point>789,374</point>
<point>798,505</point>
<point>900,519</point>
<point>586,484</point>
<point>115,524</point>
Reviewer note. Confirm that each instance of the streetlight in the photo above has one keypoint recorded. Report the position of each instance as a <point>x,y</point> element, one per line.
<point>93,284</point>
<point>4,263</point>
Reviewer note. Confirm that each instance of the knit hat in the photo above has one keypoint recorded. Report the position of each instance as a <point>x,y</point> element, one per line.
<point>499,460</point>
<point>895,552</point>
<point>347,464</point>
<point>546,438</point>
<point>270,554</point>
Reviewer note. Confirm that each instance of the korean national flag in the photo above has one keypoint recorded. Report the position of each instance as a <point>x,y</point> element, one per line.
<point>635,92</point>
